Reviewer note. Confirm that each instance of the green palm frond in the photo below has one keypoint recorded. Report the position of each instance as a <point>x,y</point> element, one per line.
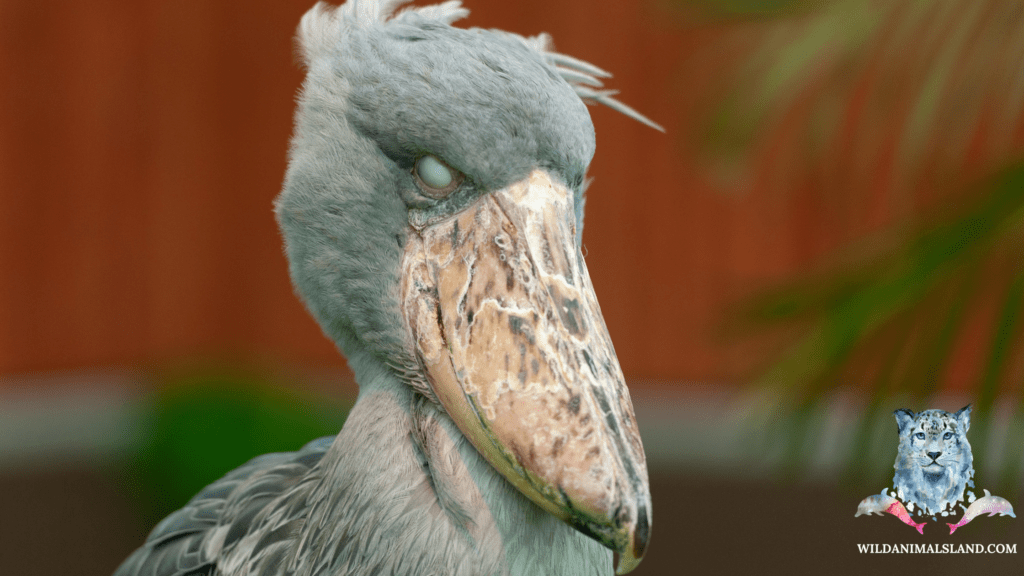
<point>747,9</point>
<point>921,104</point>
<point>928,90</point>
<point>928,282</point>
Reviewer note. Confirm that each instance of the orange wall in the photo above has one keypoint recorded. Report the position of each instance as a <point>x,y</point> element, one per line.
<point>142,143</point>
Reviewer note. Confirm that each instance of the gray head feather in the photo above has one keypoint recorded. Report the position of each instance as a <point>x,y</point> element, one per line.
<point>321,26</point>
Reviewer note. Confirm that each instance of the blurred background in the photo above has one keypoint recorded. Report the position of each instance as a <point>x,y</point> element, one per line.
<point>830,229</point>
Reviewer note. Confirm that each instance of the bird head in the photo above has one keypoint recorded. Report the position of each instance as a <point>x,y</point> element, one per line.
<point>432,215</point>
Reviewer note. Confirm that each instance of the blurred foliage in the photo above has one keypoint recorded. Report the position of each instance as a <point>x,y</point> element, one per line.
<point>205,423</point>
<point>893,321</point>
<point>921,102</point>
<point>727,9</point>
<point>938,82</point>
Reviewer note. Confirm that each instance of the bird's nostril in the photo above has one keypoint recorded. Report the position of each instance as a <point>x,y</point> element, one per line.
<point>934,455</point>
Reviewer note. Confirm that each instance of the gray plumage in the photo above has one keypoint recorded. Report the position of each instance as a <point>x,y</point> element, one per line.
<point>324,511</point>
<point>400,490</point>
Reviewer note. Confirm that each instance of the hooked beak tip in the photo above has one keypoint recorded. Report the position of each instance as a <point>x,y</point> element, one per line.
<point>627,560</point>
<point>641,535</point>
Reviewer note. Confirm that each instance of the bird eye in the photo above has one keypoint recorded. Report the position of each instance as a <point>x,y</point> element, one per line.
<point>435,178</point>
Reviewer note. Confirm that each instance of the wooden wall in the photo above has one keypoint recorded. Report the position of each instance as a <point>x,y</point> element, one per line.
<point>142,143</point>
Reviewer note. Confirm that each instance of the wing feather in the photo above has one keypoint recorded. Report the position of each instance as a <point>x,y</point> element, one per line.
<point>246,516</point>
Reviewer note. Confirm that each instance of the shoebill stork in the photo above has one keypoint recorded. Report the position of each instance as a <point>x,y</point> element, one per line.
<point>432,214</point>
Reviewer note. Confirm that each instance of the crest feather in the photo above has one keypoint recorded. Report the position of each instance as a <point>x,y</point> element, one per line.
<point>322,25</point>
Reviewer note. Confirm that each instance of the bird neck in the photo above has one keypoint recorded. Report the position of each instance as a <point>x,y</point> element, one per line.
<point>404,491</point>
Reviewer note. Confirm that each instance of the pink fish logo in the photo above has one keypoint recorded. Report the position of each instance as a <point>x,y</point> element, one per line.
<point>879,503</point>
<point>987,504</point>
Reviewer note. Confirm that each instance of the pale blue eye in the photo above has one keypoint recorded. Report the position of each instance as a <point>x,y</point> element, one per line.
<point>433,173</point>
